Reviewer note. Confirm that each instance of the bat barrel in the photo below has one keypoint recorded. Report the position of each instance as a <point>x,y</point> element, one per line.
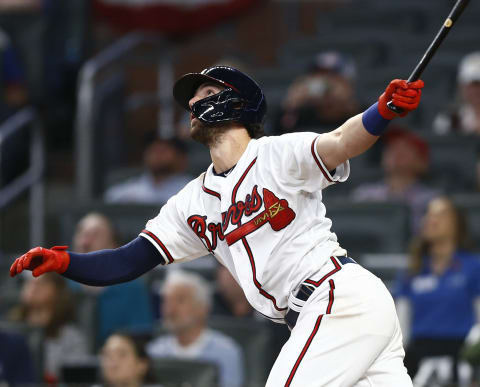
<point>444,30</point>
<point>437,41</point>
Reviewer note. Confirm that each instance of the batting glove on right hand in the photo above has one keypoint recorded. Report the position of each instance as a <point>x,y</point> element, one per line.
<point>41,261</point>
<point>403,95</point>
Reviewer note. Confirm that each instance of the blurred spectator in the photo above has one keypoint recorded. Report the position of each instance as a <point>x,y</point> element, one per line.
<point>16,360</point>
<point>464,117</point>
<point>405,161</point>
<point>124,362</point>
<point>51,39</point>
<point>95,232</point>
<point>20,5</point>
<point>16,365</point>
<point>165,162</point>
<point>228,298</point>
<point>323,98</point>
<point>46,303</point>
<point>185,310</point>
<point>12,80</point>
<point>438,299</point>
<point>13,96</point>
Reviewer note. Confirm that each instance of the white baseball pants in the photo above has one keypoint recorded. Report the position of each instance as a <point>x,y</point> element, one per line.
<point>347,334</point>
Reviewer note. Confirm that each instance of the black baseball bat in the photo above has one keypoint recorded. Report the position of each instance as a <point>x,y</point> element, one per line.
<point>444,30</point>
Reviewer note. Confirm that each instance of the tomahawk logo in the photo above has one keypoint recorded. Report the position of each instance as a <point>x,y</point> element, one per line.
<point>277,214</point>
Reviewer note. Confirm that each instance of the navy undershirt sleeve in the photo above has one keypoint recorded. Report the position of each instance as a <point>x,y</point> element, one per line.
<point>108,267</point>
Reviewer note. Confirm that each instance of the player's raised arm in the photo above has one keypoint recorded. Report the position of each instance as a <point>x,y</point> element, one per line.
<point>98,268</point>
<point>361,131</point>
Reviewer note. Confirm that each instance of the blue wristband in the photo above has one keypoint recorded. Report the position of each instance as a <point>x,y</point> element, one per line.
<point>373,122</point>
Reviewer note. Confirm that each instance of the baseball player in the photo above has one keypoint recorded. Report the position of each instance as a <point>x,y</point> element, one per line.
<point>258,209</point>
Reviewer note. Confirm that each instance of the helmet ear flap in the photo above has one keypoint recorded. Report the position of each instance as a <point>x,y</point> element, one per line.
<point>237,104</point>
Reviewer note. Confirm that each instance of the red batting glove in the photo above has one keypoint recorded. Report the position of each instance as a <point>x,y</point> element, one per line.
<point>42,260</point>
<point>403,94</point>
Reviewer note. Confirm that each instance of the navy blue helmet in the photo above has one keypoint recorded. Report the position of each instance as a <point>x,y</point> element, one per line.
<point>242,100</point>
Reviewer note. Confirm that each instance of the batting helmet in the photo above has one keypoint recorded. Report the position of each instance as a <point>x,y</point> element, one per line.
<point>242,100</point>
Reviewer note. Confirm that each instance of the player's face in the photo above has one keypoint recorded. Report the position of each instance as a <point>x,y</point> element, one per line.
<point>200,132</point>
<point>205,90</point>
<point>181,308</point>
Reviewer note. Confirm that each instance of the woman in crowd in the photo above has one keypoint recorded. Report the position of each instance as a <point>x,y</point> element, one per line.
<point>438,299</point>
<point>125,362</point>
<point>46,303</point>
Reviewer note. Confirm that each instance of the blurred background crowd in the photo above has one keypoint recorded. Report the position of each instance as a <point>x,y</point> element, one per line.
<point>92,145</point>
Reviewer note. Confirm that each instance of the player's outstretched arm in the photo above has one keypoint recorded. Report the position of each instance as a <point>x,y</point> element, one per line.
<point>361,131</point>
<point>98,268</point>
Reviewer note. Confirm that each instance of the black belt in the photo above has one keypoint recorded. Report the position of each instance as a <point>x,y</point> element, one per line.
<point>306,291</point>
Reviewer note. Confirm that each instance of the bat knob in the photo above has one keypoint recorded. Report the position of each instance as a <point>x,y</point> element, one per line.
<point>394,108</point>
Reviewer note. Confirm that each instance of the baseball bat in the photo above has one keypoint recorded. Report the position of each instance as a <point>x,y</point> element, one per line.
<point>427,56</point>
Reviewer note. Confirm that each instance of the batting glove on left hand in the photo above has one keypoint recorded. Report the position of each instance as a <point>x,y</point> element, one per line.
<point>42,260</point>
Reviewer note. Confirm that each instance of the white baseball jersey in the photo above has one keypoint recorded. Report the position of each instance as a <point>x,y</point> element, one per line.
<point>260,220</point>
<point>266,223</point>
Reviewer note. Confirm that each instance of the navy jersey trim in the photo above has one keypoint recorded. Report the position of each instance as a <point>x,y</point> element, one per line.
<point>224,173</point>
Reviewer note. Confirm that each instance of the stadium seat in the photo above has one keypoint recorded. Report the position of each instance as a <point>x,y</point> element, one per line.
<point>452,162</point>
<point>129,219</point>
<point>385,266</point>
<point>35,339</point>
<point>370,227</point>
<point>255,338</point>
<point>469,204</point>
<point>9,287</point>
<point>85,373</point>
<point>185,373</point>
<point>86,317</point>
